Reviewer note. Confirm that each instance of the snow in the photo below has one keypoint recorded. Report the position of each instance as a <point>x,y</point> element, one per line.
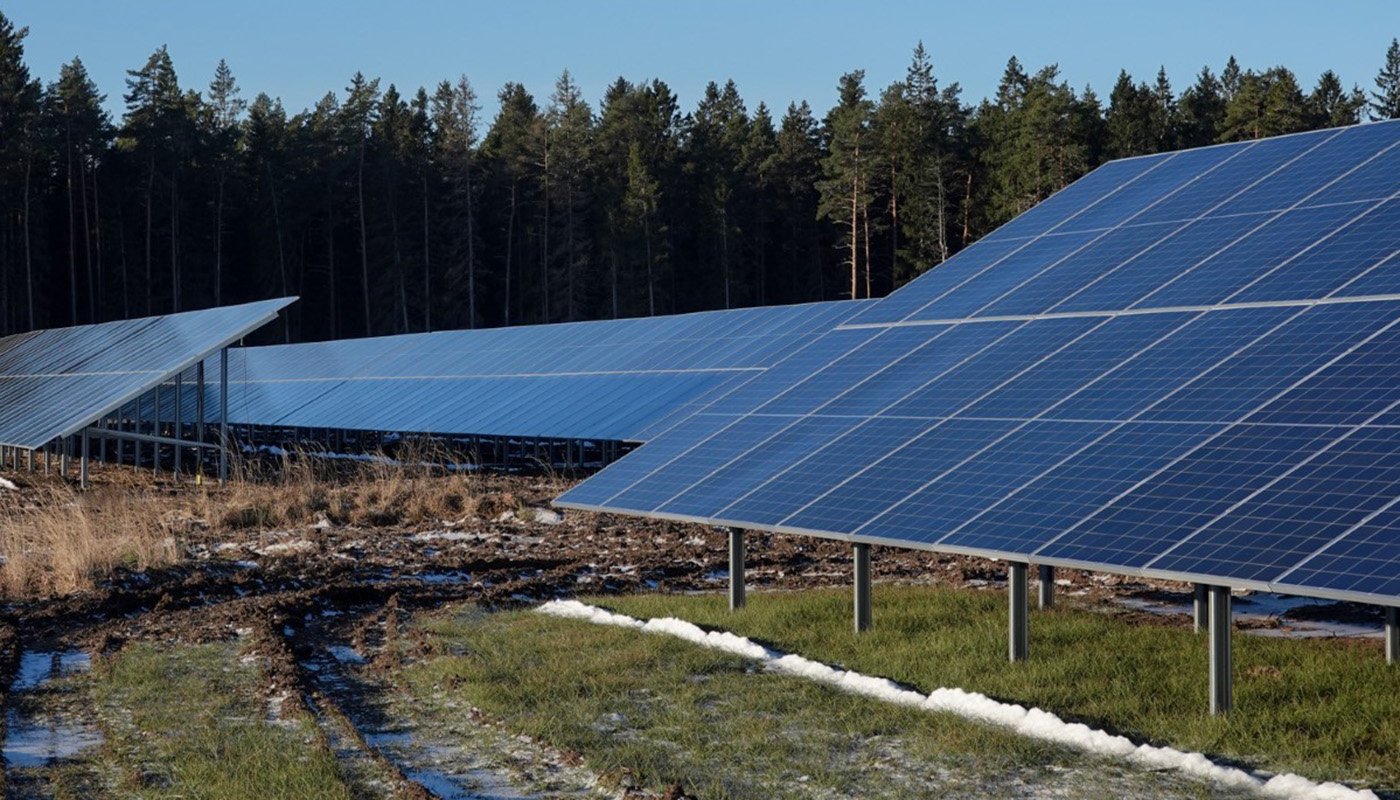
<point>1031,722</point>
<point>8,485</point>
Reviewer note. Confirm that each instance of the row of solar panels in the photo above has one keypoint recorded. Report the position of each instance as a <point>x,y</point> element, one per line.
<point>617,380</point>
<point>1184,365</point>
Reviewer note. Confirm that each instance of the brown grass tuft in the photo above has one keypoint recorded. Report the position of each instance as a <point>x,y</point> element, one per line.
<point>66,545</point>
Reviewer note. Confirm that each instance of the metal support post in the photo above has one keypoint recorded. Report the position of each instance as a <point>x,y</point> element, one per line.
<point>1392,635</point>
<point>736,569</point>
<point>1045,586</point>
<point>863,618</point>
<point>64,456</point>
<point>223,416</point>
<point>83,463</point>
<point>179,430</point>
<point>1198,607</point>
<point>199,419</point>
<point>29,458</point>
<point>1018,647</point>
<point>1221,674</point>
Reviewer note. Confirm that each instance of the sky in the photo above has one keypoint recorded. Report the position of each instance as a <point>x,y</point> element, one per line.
<point>776,52</point>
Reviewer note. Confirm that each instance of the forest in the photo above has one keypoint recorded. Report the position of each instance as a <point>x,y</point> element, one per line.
<point>392,211</point>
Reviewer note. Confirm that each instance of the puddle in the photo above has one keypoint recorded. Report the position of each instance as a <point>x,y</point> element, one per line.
<point>1263,607</point>
<point>38,734</point>
<point>446,772</point>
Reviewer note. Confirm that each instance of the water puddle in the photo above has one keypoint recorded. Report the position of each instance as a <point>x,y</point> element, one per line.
<point>39,731</point>
<point>446,772</point>
<point>1274,615</point>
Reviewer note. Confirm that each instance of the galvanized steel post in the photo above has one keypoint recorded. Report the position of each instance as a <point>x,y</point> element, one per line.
<point>1045,586</point>
<point>179,430</point>
<point>1392,635</point>
<point>223,416</point>
<point>1018,646</point>
<point>83,464</point>
<point>736,569</point>
<point>199,419</point>
<point>1221,673</point>
<point>64,455</point>
<point>863,617</point>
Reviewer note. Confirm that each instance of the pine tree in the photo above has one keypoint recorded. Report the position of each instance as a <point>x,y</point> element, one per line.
<point>1130,124</point>
<point>153,131</point>
<point>570,124</point>
<point>80,132</point>
<point>221,134</point>
<point>794,170</point>
<point>1266,104</point>
<point>455,129</point>
<point>1331,106</point>
<point>21,154</point>
<point>1201,111</point>
<point>357,121</point>
<point>1385,100</point>
<point>845,184</point>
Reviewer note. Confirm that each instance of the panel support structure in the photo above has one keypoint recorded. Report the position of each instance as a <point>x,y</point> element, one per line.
<point>83,463</point>
<point>863,617</point>
<point>736,569</point>
<point>223,416</point>
<point>1221,671</point>
<point>1045,586</point>
<point>1392,635</point>
<point>1018,647</point>
<point>1199,616</point>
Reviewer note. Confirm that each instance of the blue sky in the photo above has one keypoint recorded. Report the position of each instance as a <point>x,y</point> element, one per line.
<point>775,51</point>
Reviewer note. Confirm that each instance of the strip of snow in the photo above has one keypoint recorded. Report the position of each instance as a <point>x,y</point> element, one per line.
<point>1032,722</point>
<point>8,485</point>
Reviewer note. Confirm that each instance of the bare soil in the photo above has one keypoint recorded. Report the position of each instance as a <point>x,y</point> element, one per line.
<point>297,590</point>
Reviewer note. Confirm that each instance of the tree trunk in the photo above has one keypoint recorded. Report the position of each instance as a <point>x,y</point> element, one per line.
<point>855,238</point>
<point>364,238</point>
<point>427,268</point>
<point>174,240</point>
<point>87,241</point>
<point>894,229</point>
<point>281,258</point>
<point>865,217</point>
<point>150,202</point>
<point>28,252</point>
<point>569,201</point>
<point>651,283</point>
<point>942,215</point>
<point>97,246</point>
<point>544,246</point>
<point>612,252</point>
<point>219,242</point>
<point>72,227</point>
<point>510,251</point>
<point>330,267</point>
<point>967,210</point>
<point>471,249</point>
<point>724,255</point>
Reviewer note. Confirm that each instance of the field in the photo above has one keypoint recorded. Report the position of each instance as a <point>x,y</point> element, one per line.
<point>369,633</point>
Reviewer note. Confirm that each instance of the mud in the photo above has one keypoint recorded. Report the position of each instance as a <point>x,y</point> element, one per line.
<point>322,603</point>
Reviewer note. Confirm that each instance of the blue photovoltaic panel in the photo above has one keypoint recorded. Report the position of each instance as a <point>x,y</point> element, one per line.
<point>1186,365</point>
<point>54,383</point>
<point>625,379</point>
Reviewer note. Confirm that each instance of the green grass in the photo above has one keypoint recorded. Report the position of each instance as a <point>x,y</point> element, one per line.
<point>668,712</point>
<point>187,722</point>
<point>1323,709</point>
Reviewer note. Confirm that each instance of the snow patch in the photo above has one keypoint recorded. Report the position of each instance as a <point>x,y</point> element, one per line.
<point>1031,722</point>
<point>8,485</point>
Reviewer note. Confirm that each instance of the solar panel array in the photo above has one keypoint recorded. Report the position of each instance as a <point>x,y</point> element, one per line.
<point>1184,365</point>
<point>621,380</point>
<point>54,383</point>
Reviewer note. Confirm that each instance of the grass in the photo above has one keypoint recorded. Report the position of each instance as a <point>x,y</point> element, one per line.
<point>187,722</point>
<point>55,540</point>
<point>1323,709</point>
<point>669,713</point>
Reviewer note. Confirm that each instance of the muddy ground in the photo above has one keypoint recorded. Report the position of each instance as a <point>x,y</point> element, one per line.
<point>318,603</point>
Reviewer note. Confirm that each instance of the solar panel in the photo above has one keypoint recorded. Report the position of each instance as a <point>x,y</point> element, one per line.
<point>1184,365</point>
<point>54,383</point>
<point>624,380</point>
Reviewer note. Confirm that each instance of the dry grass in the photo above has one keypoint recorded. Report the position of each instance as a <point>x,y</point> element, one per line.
<point>66,544</point>
<point>59,540</point>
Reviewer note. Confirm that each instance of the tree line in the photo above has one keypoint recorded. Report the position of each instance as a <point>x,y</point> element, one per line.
<point>392,212</point>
